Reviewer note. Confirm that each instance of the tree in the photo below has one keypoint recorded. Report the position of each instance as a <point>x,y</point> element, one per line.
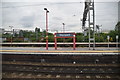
<point>117,27</point>
<point>79,37</point>
<point>37,30</point>
<point>112,35</point>
<point>21,33</point>
<point>99,38</point>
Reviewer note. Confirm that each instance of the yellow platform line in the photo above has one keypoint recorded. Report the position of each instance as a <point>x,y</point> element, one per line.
<point>32,51</point>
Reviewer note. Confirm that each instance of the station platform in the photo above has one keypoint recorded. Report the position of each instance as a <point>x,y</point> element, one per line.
<point>63,50</point>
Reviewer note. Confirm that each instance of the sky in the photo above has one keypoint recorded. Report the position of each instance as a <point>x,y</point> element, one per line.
<point>119,11</point>
<point>29,15</point>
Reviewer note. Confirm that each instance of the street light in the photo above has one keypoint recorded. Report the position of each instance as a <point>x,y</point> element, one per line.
<point>63,27</point>
<point>63,30</point>
<point>117,41</point>
<point>11,33</point>
<point>108,37</point>
<point>46,27</point>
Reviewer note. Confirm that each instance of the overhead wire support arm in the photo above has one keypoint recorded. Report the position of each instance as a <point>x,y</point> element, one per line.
<point>88,10</point>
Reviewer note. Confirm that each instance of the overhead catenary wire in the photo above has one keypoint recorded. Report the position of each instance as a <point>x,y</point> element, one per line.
<point>40,4</point>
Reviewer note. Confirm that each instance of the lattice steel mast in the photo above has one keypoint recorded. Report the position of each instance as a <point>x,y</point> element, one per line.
<point>89,13</point>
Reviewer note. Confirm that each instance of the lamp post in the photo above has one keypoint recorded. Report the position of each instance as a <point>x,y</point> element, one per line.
<point>11,33</point>
<point>117,41</point>
<point>46,27</point>
<point>63,27</point>
<point>63,31</point>
<point>108,37</point>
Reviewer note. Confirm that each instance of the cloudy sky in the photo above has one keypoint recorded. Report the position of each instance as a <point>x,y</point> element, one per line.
<point>28,15</point>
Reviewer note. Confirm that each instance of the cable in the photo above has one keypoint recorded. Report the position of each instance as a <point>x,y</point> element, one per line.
<point>40,4</point>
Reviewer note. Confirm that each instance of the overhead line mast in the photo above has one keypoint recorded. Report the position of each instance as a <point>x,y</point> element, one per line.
<point>89,13</point>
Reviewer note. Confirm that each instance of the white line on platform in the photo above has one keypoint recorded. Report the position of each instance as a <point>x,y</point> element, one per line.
<point>62,53</point>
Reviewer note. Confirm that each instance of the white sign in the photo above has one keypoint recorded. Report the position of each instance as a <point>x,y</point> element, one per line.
<point>91,39</point>
<point>116,36</point>
<point>108,37</point>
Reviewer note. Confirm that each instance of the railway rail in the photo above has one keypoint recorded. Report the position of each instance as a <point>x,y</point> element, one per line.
<point>60,67</point>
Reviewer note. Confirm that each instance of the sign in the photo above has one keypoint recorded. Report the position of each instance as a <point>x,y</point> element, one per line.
<point>116,36</point>
<point>91,39</point>
<point>108,37</point>
<point>64,34</point>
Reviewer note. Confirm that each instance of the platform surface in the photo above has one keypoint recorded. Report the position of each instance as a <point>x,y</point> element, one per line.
<point>61,50</point>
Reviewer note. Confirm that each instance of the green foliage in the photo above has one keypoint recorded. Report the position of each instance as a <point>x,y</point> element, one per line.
<point>17,40</point>
<point>68,40</point>
<point>38,36</point>
<point>6,35</point>
<point>112,35</point>
<point>79,37</point>
<point>99,38</point>
<point>117,27</point>
<point>51,38</point>
<point>59,40</point>
<point>37,29</point>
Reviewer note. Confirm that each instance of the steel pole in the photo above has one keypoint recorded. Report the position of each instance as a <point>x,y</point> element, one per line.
<point>89,26</point>
<point>46,30</point>
<point>63,31</point>
<point>55,42</point>
<point>108,41</point>
<point>74,44</point>
<point>93,27</point>
<point>117,41</point>
<point>63,27</point>
<point>11,34</point>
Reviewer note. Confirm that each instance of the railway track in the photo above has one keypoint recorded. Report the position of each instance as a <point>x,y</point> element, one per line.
<point>60,67</point>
